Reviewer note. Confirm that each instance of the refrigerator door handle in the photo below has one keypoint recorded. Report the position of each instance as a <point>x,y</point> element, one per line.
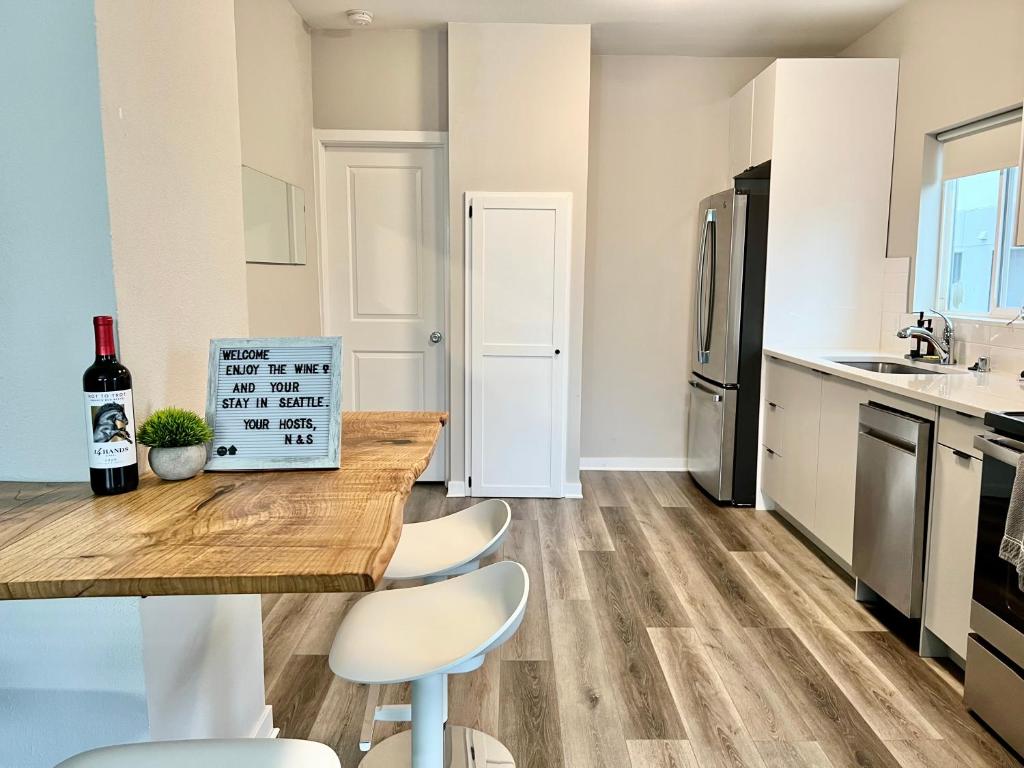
<point>706,293</point>
<point>699,293</point>
<point>713,258</point>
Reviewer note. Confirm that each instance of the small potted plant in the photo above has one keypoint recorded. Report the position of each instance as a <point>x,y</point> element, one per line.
<point>177,442</point>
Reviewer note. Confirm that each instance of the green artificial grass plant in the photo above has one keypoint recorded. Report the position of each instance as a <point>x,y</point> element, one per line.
<point>174,428</point>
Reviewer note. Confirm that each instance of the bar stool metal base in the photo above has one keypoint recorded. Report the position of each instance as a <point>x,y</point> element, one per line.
<point>464,748</point>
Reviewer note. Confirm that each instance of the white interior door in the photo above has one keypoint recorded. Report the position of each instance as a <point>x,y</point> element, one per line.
<point>384,213</point>
<point>519,299</point>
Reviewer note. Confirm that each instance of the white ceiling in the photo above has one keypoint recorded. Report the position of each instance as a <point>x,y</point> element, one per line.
<point>683,27</point>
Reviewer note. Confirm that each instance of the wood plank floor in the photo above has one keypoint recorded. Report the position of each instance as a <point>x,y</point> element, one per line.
<point>662,632</point>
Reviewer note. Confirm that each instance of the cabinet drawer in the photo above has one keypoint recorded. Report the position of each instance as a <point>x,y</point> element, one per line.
<point>773,477</point>
<point>783,381</point>
<point>989,690</point>
<point>774,422</point>
<point>957,431</point>
<point>774,384</point>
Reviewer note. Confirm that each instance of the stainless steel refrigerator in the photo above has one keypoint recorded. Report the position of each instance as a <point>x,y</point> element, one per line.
<point>725,342</point>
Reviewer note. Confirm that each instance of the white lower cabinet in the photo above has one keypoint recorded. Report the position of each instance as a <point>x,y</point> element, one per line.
<point>792,431</point>
<point>952,535</point>
<point>837,464</point>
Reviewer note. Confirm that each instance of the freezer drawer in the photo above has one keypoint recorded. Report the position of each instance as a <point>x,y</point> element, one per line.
<point>990,686</point>
<point>711,437</point>
<point>890,506</point>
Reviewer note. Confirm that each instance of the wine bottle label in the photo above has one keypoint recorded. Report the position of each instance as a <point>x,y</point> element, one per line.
<point>111,424</point>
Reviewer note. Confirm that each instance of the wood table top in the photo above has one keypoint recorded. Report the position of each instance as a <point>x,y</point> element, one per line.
<point>222,532</point>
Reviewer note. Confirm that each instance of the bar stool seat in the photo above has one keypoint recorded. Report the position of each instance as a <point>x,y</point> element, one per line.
<point>209,753</point>
<point>421,635</point>
<point>401,635</point>
<point>433,551</point>
<point>452,544</point>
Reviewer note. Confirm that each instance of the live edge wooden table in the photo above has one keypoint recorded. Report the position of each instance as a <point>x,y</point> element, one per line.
<point>223,532</point>
<point>186,661</point>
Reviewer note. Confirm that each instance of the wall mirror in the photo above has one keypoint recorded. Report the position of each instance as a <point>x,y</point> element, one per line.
<point>275,219</point>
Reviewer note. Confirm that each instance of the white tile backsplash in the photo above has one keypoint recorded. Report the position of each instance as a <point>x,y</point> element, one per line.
<point>1006,359</point>
<point>1002,335</point>
<point>894,303</point>
<point>977,333</point>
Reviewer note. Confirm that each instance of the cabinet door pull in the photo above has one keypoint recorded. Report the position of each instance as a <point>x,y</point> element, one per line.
<point>772,405</point>
<point>770,451</point>
<point>961,454</point>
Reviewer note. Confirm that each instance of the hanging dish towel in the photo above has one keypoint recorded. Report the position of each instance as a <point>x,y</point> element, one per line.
<point>1012,548</point>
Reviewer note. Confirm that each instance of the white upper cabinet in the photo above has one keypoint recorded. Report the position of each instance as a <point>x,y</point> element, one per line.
<point>741,108</point>
<point>751,117</point>
<point>763,117</point>
<point>827,125</point>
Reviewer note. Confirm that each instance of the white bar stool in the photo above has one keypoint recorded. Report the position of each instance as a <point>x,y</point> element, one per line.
<point>209,753</point>
<point>435,550</point>
<point>421,635</point>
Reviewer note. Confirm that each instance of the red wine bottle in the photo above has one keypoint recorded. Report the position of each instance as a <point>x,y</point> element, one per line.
<point>110,418</point>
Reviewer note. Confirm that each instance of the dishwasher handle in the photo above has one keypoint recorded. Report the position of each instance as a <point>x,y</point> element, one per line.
<point>903,430</point>
<point>899,445</point>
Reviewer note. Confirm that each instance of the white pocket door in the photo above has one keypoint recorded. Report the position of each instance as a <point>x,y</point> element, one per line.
<point>519,300</point>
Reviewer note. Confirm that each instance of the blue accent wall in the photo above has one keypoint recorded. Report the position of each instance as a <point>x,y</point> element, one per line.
<point>56,269</point>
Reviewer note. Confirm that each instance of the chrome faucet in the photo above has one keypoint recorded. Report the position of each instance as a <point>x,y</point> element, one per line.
<point>944,345</point>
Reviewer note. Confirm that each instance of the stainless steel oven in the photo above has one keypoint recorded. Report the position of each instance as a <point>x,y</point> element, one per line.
<point>995,648</point>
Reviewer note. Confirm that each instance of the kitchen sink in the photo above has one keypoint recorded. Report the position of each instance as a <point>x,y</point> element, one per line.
<point>887,366</point>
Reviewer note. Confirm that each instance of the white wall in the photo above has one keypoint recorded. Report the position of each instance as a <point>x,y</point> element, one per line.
<point>275,106</point>
<point>71,678</point>
<point>658,145</point>
<point>958,60</point>
<point>388,79</point>
<point>518,117</point>
<point>55,266</point>
<point>169,96</point>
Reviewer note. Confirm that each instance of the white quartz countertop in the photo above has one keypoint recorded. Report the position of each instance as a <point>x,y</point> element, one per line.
<point>955,388</point>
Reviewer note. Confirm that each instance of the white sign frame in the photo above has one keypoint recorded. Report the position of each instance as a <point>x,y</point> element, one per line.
<point>229,463</point>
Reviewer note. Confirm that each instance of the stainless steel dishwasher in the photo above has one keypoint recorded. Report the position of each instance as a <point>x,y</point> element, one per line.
<point>891,506</point>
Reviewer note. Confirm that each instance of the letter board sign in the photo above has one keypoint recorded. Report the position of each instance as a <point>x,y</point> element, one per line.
<point>275,403</point>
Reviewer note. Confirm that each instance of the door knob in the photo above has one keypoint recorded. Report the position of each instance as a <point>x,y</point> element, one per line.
<point>436,337</point>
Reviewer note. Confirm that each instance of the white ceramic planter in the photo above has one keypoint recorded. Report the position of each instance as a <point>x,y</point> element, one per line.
<point>177,463</point>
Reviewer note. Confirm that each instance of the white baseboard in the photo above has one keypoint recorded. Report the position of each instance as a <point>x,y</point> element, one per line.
<point>573,490</point>
<point>264,728</point>
<point>456,489</point>
<point>635,464</point>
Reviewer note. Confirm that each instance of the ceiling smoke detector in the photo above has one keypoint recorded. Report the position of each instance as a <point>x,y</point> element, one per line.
<point>359,18</point>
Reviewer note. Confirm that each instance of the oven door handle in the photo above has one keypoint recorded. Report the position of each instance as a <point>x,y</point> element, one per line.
<point>1000,448</point>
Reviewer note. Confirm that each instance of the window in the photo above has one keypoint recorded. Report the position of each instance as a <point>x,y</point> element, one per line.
<point>979,272</point>
<point>982,273</point>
